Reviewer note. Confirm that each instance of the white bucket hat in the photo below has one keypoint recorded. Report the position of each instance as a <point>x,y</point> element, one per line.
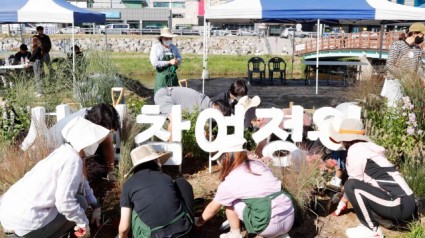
<point>247,102</point>
<point>348,129</point>
<point>82,133</point>
<point>230,143</point>
<point>166,32</point>
<point>146,153</point>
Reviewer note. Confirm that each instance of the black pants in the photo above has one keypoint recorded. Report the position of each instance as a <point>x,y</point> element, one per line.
<point>366,198</point>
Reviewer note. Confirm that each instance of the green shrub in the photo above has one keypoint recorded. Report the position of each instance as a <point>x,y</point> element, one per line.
<point>396,129</point>
<point>416,230</point>
<point>414,173</point>
<point>135,104</point>
<point>190,146</point>
<point>415,91</point>
<point>15,112</point>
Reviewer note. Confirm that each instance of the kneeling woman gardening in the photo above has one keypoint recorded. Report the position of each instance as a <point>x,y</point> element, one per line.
<point>249,192</point>
<point>50,199</point>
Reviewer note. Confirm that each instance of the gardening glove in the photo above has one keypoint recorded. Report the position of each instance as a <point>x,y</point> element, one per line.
<point>112,177</point>
<point>82,232</point>
<point>95,217</point>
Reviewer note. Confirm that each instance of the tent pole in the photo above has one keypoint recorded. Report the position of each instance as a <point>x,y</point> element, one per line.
<point>205,74</point>
<point>73,53</point>
<point>204,57</point>
<point>317,55</point>
<point>21,31</point>
<point>293,55</point>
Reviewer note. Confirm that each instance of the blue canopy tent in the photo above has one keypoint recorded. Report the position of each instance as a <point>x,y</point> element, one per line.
<point>47,11</point>
<point>310,10</point>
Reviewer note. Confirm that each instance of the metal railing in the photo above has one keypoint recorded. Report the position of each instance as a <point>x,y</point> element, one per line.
<point>363,40</point>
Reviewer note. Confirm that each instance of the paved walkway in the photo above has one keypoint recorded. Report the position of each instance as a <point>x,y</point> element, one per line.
<point>279,95</point>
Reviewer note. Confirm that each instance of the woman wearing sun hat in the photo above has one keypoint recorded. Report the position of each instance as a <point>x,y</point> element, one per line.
<point>166,58</point>
<point>249,190</point>
<point>49,200</point>
<point>374,186</point>
<point>152,204</point>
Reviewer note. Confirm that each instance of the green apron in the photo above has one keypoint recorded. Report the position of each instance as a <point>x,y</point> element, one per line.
<point>257,213</point>
<point>166,76</point>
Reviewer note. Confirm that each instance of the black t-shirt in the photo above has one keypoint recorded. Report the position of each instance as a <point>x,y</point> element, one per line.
<point>20,55</point>
<point>152,195</point>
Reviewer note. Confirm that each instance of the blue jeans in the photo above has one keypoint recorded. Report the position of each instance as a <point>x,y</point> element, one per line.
<point>37,67</point>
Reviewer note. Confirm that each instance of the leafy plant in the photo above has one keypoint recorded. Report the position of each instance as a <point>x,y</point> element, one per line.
<point>416,230</point>
<point>190,146</point>
<point>413,88</point>
<point>414,173</point>
<point>135,104</point>
<point>393,128</point>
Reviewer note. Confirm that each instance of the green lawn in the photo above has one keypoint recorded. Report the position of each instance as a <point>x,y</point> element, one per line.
<point>137,65</point>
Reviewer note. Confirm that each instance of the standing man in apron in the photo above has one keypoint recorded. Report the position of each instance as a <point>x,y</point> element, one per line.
<point>166,58</point>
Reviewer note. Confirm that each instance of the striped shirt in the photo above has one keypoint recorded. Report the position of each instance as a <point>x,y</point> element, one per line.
<point>404,58</point>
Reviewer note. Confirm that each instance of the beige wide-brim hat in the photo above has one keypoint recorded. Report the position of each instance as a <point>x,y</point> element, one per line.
<point>166,32</point>
<point>230,143</point>
<point>345,129</point>
<point>146,153</point>
<point>417,27</point>
<point>81,133</point>
<point>248,103</point>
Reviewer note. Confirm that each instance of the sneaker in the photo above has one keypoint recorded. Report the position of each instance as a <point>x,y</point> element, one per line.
<point>362,231</point>
<point>230,235</point>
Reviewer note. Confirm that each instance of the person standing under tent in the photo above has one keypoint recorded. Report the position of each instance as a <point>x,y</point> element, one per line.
<point>47,45</point>
<point>405,56</point>
<point>166,58</point>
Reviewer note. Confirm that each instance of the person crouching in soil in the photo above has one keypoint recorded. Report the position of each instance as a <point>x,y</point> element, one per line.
<point>152,204</point>
<point>249,192</point>
<point>49,200</point>
<point>375,188</point>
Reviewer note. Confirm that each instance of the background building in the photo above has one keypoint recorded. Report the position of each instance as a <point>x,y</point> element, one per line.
<point>413,3</point>
<point>142,13</point>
